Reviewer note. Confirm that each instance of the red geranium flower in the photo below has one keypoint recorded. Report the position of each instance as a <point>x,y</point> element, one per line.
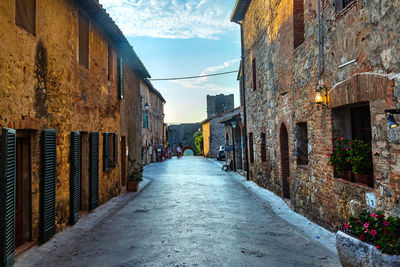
<point>362,237</point>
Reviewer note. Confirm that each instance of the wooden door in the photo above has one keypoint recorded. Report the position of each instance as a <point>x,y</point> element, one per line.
<point>18,198</point>
<point>285,172</point>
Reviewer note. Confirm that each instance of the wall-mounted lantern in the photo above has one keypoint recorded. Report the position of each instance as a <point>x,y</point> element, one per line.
<point>321,96</point>
<point>146,107</point>
<point>233,124</point>
<point>391,121</point>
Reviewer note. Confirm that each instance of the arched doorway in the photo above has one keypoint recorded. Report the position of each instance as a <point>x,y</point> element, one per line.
<point>284,141</point>
<point>187,151</point>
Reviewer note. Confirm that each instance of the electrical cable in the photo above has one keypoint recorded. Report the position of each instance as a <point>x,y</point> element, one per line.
<point>194,77</point>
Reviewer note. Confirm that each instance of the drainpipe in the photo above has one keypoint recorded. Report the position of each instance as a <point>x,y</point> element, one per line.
<point>244,103</point>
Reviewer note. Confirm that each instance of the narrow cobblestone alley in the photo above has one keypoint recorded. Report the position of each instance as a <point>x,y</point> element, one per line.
<point>191,214</point>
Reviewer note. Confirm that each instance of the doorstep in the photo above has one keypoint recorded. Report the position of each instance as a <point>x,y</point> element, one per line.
<point>85,224</point>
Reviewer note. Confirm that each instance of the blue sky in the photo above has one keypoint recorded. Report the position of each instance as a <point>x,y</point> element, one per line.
<point>176,38</point>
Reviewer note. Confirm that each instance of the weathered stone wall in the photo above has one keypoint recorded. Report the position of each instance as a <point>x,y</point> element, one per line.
<point>219,104</point>
<point>43,86</point>
<point>182,134</point>
<point>367,31</point>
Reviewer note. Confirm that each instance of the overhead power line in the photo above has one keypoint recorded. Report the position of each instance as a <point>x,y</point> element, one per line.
<point>194,77</point>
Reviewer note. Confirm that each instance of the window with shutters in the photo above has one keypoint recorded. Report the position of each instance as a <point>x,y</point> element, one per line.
<point>7,196</point>
<point>302,143</point>
<point>25,15</point>
<point>263,148</point>
<point>341,4</point>
<point>251,148</point>
<point>83,40</point>
<point>145,120</point>
<point>110,63</point>
<point>93,170</point>
<point>254,69</point>
<point>298,22</point>
<point>110,150</point>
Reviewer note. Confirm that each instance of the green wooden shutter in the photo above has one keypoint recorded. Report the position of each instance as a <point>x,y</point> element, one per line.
<point>7,205</point>
<point>75,176</point>
<point>106,152</point>
<point>115,149</point>
<point>48,184</point>
<point>93,170</point>
<point>120,79</point>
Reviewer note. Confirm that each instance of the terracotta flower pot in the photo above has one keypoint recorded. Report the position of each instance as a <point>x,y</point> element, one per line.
<point>364,179</point>
<point>132,186</point>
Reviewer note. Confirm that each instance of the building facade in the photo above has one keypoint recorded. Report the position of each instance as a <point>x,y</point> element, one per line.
<point>153,137</point>
<point>214,133</point>
<point>68,80</point>
<point>293,50</point>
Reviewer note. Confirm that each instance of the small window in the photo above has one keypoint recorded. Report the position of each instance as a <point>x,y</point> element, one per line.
<point>25,12</point>
<point>302,143</point>
<point>298,22</point>
<point>110,63</point>
<point>251,148</point>
<point>120,79</point>
<point>263,148</point>
<point>83,40</point>
<point>254,68</point>
<point>341,4</point>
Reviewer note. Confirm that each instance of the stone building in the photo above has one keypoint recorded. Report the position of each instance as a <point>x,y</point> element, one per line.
<point>291,50</point>
<point>153,138</point>
<point>214,133</point>
<point>182,135</point>
<point>69,85</point>
<point>219,104</point>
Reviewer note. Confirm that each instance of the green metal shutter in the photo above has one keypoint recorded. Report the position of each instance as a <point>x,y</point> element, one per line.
<point>75,176</point>
<point>115,149</point>
<point>7,205</point>
<point>48,184</point>
<point>120,79</point>
<point>93,170</point>
<point>106,152</point>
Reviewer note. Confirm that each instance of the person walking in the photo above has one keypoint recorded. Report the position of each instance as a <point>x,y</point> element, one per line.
<point>179,151</point>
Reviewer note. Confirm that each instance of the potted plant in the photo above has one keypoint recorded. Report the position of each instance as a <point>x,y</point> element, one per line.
<point>135,175</point>
<point>369,240</point>
<point>340,158</point>
<point>361,162</point>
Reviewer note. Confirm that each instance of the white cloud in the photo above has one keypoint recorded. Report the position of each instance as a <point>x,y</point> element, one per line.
<point>205,83</point>
<point>182,19</point>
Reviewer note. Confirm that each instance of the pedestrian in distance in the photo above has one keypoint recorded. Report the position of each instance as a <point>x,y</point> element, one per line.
<point>179,151</point>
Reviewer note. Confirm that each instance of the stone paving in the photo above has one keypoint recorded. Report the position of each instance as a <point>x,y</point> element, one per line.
<point>191,214</point>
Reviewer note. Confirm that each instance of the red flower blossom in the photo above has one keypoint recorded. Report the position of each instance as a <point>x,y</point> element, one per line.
<point>366,225</point>
<point>380,216</point>
<point>362,237</point>
<point>378,247</point>
<point>386,223</point>
<point>373,232</point>
<point>357,222</point>
<point>373,215</point>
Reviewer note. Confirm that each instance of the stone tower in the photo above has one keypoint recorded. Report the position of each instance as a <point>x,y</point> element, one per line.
<point>219,104</point>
